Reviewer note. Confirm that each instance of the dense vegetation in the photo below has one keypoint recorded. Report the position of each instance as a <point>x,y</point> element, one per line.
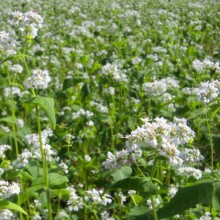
<point>109,109</point>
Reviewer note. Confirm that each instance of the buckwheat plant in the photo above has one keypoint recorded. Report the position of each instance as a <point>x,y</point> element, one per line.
<point>7,44</point>
<point>39,79</point>
<point>28,23</point>
<point>85,153</point>
<point>207,93</point>
<point>166,138</point>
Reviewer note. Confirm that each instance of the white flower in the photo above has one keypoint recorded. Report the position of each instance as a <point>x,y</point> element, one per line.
<point>207,91</point>
<point>106,216</point>
<point>189,172</point>
<point>7,189</point>
<point>172,190</point>
<point>16,68</point>
<point>39,79</point>
<point>28,23</point>
<point>205,65</point>
<point>98,197</point>
<point>160,87</point>
<point>62,215</point>
<point>163,136</point>
<point>114,71</point>
<point>12,91</point>
<point>20,122</point>
<point>7,43</point>
<point>6,214</point>
<point>74,203</point>
<point>4,148</point>
<point>156,201</point>
<point>206,216</point>
<point>22,160</point>
<point>33,140</point>
<point>87,158</point>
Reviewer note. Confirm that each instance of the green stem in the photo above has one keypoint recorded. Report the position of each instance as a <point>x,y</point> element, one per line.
<point>154,208</point>
<point>94,212</point>
<point>44,161</point>
<point>149,108</point>
<point>132,197</point>
<point>211,143</point>
<point>28,72</point>
<point>58,205</point>
<point>153,169</point>
<point>84,178</point>
<point>15,135</point>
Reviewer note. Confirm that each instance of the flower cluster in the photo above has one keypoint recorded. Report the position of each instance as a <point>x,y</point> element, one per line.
<point>6,214</point>
<point>206,65</point>
<point>163,136</point>
<point>28,23</point>
<point>106,216</point>
<point>98,197</point>
<point>123,157</point>
<point>114,71</point>
<point>206,216</point>
<point>22,160</point>
<point>189,172</point>
<point>82,112</point>
<point>4,148</point>
<point>161,88</point>
<point>100,108</point>
<point>34,141</point>
<point>207,91</point>
<point>8,189</point>
<point>75,202</point>
<point>7,43</point>
<point>39,79</point>
<point>16,68</point>
<point>12,91</point>
<point>172,190</point>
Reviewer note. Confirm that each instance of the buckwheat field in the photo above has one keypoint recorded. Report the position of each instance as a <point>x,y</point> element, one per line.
<point>110,110</point>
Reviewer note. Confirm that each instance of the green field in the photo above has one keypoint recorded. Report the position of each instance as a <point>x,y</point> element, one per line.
<point>109,109</point>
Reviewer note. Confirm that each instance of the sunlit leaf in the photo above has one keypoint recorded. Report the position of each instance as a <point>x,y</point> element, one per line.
<point>122,173</point>
<point>140,184</point>
<point>207,193</point>
<point>9,205</point>
<point>47,104</point>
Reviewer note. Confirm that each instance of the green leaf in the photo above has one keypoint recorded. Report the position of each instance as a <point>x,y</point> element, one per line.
<point>198,112</point>
<point>25,176</point>
<point>207,193</point>
<point>140,184</point>
<point>85,90</point>
<point>8,119</point>
<point>34,169</point>
<point>23,132</point>
<point>31,192</point>
<point>139,213</point>
<point>138,210</point>
<point>122,173</point>
<point>57,181</point>
<point>213,111</point>
<point>9,205</point>
<point>105,119</point>
<point>137,198</point>
<point>216,141</point>
<point>6,59</point>
<point>63,193</point>
<point>47,104</point>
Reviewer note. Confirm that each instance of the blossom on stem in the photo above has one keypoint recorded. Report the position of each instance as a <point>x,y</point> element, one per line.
<point>40,79</point>
<point>28,23</point>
